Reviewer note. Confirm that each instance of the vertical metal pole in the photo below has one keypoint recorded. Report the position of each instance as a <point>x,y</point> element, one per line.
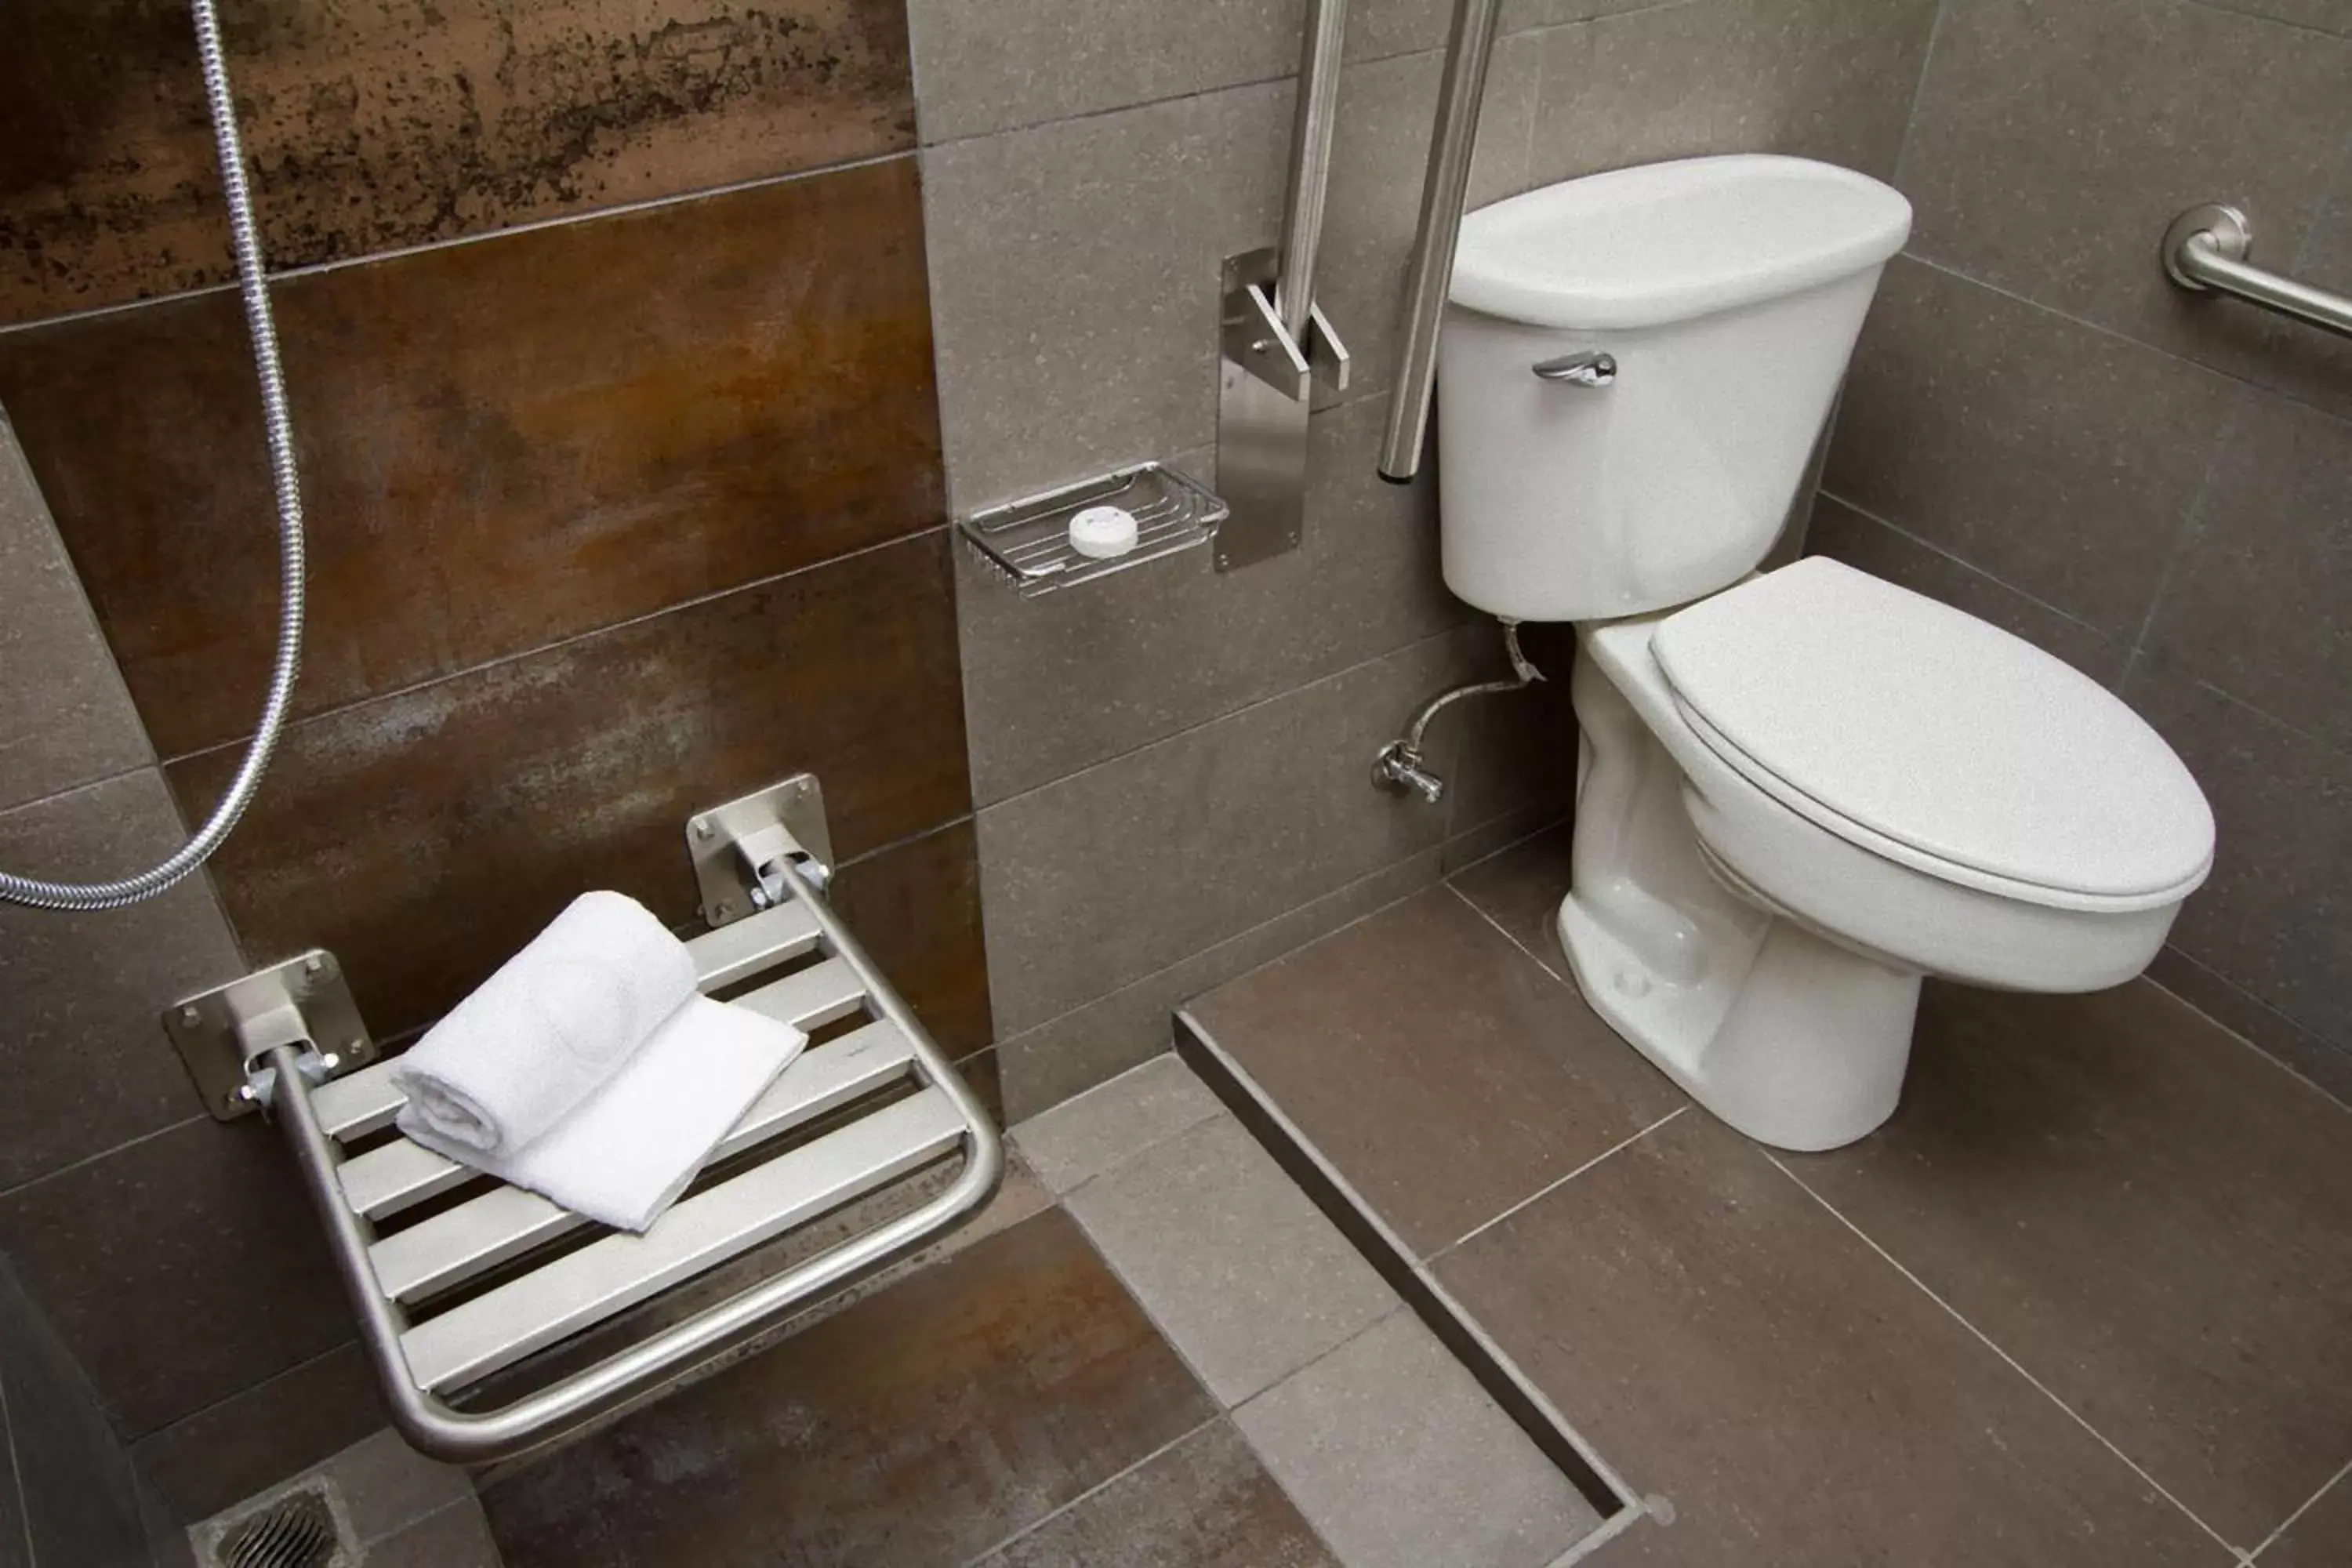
<point>1430,276</point>
<point>1317,117</point>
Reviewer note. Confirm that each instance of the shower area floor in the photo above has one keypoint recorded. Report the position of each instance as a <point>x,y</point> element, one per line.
<point>1423,1268</point>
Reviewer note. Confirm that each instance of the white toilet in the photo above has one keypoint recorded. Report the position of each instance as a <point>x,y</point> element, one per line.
<point>1797,792</point>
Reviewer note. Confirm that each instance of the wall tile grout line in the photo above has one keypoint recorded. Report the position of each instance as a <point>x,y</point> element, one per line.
<point>2245,1043</point>
<point>1989,1343</point>
<point>1969,566</point>
<point>399,253</point>
<point>109,1152</point>
<point>1250,706</point>
<point>16,1477</point>
<point>2191,530</point>
<point>1551,1187</point>
<point>520,655</point>
<point>1952,269</point>
<point>2287,1523</point>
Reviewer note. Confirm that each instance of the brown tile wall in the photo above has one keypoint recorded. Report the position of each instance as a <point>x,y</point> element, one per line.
<point>613,514</point>
<point>2155,486</point>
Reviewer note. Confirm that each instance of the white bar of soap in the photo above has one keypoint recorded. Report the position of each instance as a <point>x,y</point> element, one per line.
<point>1103,531</point>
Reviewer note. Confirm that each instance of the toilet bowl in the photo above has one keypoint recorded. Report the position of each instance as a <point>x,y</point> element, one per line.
<point>1799,793</point>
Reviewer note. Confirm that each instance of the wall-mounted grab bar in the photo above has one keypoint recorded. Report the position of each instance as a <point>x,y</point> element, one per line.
<point>2205,251</point>
<point>1429,276</point>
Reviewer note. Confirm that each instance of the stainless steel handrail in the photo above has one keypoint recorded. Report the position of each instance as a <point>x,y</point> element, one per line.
<point>1317,117</point>
<point>2205,251</point>
<point>467,1438</point>
<point>1430,275</point>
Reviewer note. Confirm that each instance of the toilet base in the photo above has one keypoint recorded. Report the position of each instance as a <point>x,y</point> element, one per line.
<point>1796,1042</point>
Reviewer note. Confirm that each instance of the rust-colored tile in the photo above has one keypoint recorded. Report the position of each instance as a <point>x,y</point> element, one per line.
<point>2153,1221</point>
<point>380,124</point>
<point>503,444</point>
<point>1444,1073</point>
<point>921,1426</point>
<point>915,907</point>
<point>423,836</point>
<point>1738,1354</point>
<point>1205,1503</point>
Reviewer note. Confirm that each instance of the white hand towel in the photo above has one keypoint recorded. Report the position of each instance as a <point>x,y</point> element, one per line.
<point>624,1154</point>
<point>556,1021</point>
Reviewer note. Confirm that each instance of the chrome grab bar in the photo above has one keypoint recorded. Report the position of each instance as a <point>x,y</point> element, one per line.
<point>2205,252</point>
<point>1430,274</point>
<point>1311,129</point>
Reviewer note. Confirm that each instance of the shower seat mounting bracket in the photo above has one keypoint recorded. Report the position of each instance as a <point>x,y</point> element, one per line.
<point>740,848</point>
<point>223,1034</point>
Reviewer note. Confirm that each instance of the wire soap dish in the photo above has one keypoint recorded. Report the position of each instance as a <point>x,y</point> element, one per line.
<point>1029,540</point>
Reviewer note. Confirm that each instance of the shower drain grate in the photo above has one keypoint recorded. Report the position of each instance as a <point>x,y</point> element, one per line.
<point>297,1531</point>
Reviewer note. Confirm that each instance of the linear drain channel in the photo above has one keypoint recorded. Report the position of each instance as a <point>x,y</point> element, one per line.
<point>297,1531</point>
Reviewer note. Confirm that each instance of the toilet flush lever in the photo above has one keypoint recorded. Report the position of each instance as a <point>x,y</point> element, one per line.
<point>1589,367</point>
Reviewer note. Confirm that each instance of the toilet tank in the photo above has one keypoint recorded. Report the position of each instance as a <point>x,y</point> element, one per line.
<point>1728,292</point>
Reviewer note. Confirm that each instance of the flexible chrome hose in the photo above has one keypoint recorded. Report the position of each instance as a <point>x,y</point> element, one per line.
<point>253,281</point>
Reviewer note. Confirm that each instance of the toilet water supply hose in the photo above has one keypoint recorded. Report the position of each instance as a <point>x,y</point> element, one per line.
<point>253,282</point>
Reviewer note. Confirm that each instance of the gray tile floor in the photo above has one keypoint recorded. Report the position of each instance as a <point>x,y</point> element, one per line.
<point>2081,1302</point>
<point>1340,1432</point>
<point>1380,1437</point>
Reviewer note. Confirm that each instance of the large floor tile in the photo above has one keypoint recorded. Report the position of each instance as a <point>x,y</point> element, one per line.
<point>1393,1451</point>
<point>1735,1351</point>
<point>1238,1268</point>
<point>384,125</point>
<point>2321,1538</point>
<point>1204,1503</point>
<point>503,444</point>
<point>921,1427</point>
<point>1520,889</point>
<point>2153,1221</point>
<point>1115,1121</point>
<point>1441,1069</point>
<point>228,1451</point>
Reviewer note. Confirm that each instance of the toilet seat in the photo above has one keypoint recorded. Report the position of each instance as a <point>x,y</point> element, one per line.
<point>1920,733</point>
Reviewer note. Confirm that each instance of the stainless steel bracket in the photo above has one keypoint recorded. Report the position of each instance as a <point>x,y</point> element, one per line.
<point>1266,381</point>
<point>740,849</point>
<point>225,1035</point>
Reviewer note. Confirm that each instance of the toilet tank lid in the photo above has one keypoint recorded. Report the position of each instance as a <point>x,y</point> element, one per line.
<point>1666,242</point>
<point>1865,706</point>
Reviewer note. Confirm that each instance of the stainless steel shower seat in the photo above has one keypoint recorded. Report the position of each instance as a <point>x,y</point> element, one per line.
<point>456,1276</point>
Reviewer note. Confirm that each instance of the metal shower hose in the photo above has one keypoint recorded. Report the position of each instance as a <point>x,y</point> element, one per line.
<point>254,284</point>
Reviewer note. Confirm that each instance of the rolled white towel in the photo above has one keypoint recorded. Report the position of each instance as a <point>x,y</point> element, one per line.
<point>555,1022</point>
<point>624,1154</point>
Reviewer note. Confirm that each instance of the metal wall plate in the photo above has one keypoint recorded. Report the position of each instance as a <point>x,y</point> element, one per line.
<point>1264,392</point>
<point>783,817</point>
<point>218,1033</point>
